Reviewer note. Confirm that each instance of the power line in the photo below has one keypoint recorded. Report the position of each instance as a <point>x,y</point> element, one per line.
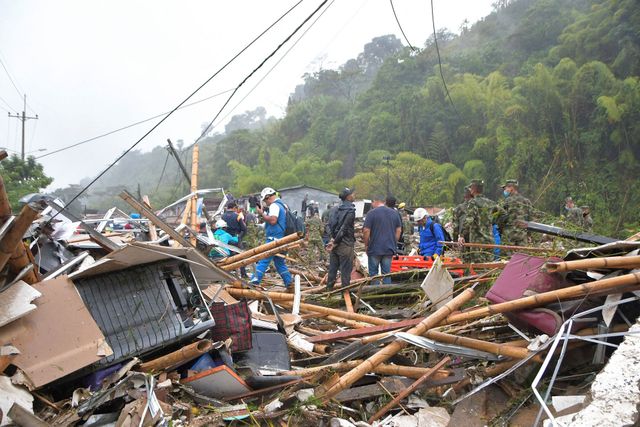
<point>435,40</point>
<point>130,125</point>
<point>204,132</point>
<point>275,65</point>
<point>10,78</point>
<point>7,104</point>
<point>85,188</point>
<point>400,26</point>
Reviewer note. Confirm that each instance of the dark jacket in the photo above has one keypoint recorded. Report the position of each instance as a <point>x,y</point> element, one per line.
<point>235,226</point>
<point>341,224</point>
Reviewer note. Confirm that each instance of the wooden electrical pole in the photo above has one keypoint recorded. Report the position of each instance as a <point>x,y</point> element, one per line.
<point>23,117</point>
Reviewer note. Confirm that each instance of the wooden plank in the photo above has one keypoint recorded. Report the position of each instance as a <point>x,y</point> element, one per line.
<point>104,242</point>
<point>105,220</point>
<point>153,233</point>
<point>347,301</point>
<point>127,197</point>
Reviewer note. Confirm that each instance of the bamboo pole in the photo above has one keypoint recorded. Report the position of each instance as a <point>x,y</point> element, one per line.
<point>492,246</point>
<point>414,372</point>
<point>392,349</point>
<point>20,258</point>
<point>194,189</point>
<point>569,293</point>
<point>335,319</point>
<point>406,392</point>
<point>178,357</point>
<point>626,262</point>
<point>262,248</point>
<point>258,257</point>
<point>489,347</point>
<point>304,274</point>
<point>13,238</point>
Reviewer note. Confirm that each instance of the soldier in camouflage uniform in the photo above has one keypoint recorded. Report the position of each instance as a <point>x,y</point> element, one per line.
<point>573,214</point>
<point>587,221</point>
<point>459,212</point>
<point>315,246</point>
<point>512,211</point>
<point>478,222</point>
<point>254,236</point>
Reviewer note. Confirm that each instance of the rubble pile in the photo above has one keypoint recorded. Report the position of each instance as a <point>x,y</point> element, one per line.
<point>135,325</point>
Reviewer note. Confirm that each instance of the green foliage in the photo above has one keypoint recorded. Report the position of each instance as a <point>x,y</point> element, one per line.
<point>22,178</point>
<point>545,91</point>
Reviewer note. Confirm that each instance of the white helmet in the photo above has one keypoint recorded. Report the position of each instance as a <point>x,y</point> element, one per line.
<point>266,192</point>
<point>221,223</point>
<point>419,214</point>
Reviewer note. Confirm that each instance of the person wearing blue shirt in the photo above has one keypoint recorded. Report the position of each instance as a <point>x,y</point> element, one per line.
<point>275,222</point>
<point>431,234</point>
<point>380,235</point>
<point>221,235</point>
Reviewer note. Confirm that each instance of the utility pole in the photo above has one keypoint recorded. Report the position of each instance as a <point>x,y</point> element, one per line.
<point>387,158</point>
<point>23,118</point>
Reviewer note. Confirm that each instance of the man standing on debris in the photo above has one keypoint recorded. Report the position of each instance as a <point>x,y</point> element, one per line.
<point>514,210</point>
<point>340,246</point>
<point>381,232</point>
<point>459,212</point>
<point>407,228</point>
<point>275,222</point>
<point>478,222</point>
<point>572,213</point>
<point>236,226</point>
<point>315,245</point>
<point>587,221</point>
<point>332,209</point>
<point>431,233</point>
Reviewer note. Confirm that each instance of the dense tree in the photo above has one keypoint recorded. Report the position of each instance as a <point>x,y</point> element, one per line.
<point>22,177</point>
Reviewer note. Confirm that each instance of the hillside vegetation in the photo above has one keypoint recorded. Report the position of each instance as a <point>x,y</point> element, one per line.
<point>544,91</point>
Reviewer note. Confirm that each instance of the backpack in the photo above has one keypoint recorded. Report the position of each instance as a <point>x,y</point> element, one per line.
<point>293,223</point>
<point>436,220</point>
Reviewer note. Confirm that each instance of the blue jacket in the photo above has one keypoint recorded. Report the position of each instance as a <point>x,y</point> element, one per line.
<point>276,231</point>
<point>224,237</point>
<point>429,242</point>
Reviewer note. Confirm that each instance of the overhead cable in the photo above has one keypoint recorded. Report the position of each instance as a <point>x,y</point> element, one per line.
<point>400,26</point>
<point>435,40</point>
<point>206,130</point>
<point>274,65</point>
<point>179,105</point>
<point>131,125</point>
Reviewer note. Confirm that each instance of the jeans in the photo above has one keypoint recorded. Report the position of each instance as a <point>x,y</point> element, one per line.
<point>341,257</point>
<point>281,268</point>
<point>382,261</point>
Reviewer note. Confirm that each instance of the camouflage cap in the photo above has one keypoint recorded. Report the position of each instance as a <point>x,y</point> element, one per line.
<point>476,182</point>
<point>513,182</point>
<point>568,199</point>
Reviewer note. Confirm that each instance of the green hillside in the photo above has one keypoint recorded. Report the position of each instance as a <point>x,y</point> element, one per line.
<point>544,91</point>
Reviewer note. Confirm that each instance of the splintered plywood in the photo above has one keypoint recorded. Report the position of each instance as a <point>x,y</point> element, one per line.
<point>219,382</point>
<point>15,302</point>
<point>438,285</point>
<point>59,337</point>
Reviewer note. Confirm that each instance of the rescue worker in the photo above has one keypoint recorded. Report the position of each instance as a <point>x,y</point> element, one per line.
<point>459,213</point>
<point>587,221</point>
<point>513,212</point>
<point>573,214</point>
<point>275,222</point>
<point>315,245</point>
<point>431,233</point>
<point>342,241</point>
<point>223,236</point>
<point>478,223</point>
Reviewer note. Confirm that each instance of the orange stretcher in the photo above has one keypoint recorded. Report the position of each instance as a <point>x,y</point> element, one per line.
<point>410,262</point>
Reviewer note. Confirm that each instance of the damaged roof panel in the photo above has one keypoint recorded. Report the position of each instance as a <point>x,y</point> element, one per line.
<point>59,337</point>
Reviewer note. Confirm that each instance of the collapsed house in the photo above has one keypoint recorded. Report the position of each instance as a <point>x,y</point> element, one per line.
<point>138,326</point>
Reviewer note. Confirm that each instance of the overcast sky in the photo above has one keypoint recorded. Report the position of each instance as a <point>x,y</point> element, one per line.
<point>90,67</point>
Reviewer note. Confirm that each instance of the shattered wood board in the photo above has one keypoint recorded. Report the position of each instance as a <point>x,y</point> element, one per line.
<point>438,285</point>
<point>59,337</point>
<point>10,394</point>
<point>219,382</point>
<point>15,302</point>
<point>145,253</point>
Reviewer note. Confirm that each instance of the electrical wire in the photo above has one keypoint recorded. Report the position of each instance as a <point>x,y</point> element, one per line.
<point>130,125</point>
<point>10,78</point>
<point>101,174</point>
<point>400,26</point>
<point>7,104</point>
<point>435,40</point>
<point>274,66</point>
<point>206,130</point>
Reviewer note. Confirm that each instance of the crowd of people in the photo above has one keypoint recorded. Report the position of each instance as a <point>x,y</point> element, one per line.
<point>388,229</point>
